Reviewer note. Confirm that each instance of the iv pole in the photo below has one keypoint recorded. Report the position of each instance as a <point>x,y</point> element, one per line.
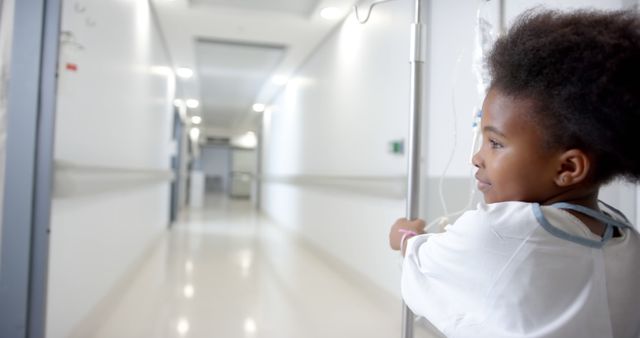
<point>416,60</point>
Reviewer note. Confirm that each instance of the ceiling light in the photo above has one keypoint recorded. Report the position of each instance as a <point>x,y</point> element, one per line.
<point>258,107</point>
<point>178,102</point>
<point>330,13</point>
<point>196,119</point>
<point>247,140</point>
<point>193,103</point>
<point>194,133</point>
<point>184,72</point>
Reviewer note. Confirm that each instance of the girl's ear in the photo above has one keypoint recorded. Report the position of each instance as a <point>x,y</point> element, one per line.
<point>574,168</point>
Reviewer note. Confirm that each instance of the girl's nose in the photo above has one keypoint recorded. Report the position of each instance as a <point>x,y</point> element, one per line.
<point>476,160</point>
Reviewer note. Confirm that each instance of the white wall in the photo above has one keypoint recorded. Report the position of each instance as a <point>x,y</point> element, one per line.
<point>336,118</point>
<point>115,110</point>
<point>348,101</point>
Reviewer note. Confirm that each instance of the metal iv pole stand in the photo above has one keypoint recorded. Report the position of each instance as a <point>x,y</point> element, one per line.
<point>417,60</point>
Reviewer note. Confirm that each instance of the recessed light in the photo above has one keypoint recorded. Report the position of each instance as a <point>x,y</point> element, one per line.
<point>184,72</point>
<point>193,103</point>
<point>330,13</point>
<point>196,119</point>
<point>194,133</point>
<point>258,107</point>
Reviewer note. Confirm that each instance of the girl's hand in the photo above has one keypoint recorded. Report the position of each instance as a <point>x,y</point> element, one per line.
<point>404,229</point>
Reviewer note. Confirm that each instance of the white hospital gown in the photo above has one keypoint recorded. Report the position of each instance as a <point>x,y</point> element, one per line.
<point>496,272</point>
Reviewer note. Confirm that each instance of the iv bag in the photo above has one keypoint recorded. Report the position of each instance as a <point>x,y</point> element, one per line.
<point>484,39</point>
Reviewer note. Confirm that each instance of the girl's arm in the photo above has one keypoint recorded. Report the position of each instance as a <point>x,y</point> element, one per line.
<point>402,230</point>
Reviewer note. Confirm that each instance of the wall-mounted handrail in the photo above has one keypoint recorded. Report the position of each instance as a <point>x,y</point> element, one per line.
<point>392,187</point>
<point>75,179</point>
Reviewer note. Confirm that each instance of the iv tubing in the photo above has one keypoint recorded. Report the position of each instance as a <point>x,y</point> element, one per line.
<point>366,18</point>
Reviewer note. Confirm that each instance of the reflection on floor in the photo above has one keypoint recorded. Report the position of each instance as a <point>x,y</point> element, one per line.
<point>224,271</point>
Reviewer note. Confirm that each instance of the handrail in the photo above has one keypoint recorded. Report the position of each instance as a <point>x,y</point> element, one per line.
<point>383,186</point>
<point>75,179</point>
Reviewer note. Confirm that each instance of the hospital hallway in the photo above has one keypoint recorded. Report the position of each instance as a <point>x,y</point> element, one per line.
<point>235,168</point>
<point>226,271</point>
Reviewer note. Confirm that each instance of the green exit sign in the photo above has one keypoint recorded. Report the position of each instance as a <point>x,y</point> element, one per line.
<point>396,147</point>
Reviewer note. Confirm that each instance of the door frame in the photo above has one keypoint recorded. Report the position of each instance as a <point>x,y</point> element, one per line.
<point>29,168</point>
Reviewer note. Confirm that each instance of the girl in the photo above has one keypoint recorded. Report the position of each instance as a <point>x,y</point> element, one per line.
<point>542,257</point>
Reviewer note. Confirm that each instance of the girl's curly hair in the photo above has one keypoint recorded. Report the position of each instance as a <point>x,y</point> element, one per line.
<point>582,69</point>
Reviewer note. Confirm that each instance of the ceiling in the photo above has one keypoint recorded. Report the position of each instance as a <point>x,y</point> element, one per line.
<point>236,48</point>
<point>231,76</point>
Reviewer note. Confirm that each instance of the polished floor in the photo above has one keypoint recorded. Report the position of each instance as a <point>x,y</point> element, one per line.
<point>225,271</point>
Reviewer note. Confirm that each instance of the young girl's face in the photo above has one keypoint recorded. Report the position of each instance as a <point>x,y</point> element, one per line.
<point>512,165</point>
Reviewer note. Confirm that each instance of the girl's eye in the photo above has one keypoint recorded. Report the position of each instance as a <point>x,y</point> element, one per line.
<point>494,144</point>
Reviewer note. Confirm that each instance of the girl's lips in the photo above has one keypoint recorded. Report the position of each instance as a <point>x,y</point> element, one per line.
<point>482,185</point>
